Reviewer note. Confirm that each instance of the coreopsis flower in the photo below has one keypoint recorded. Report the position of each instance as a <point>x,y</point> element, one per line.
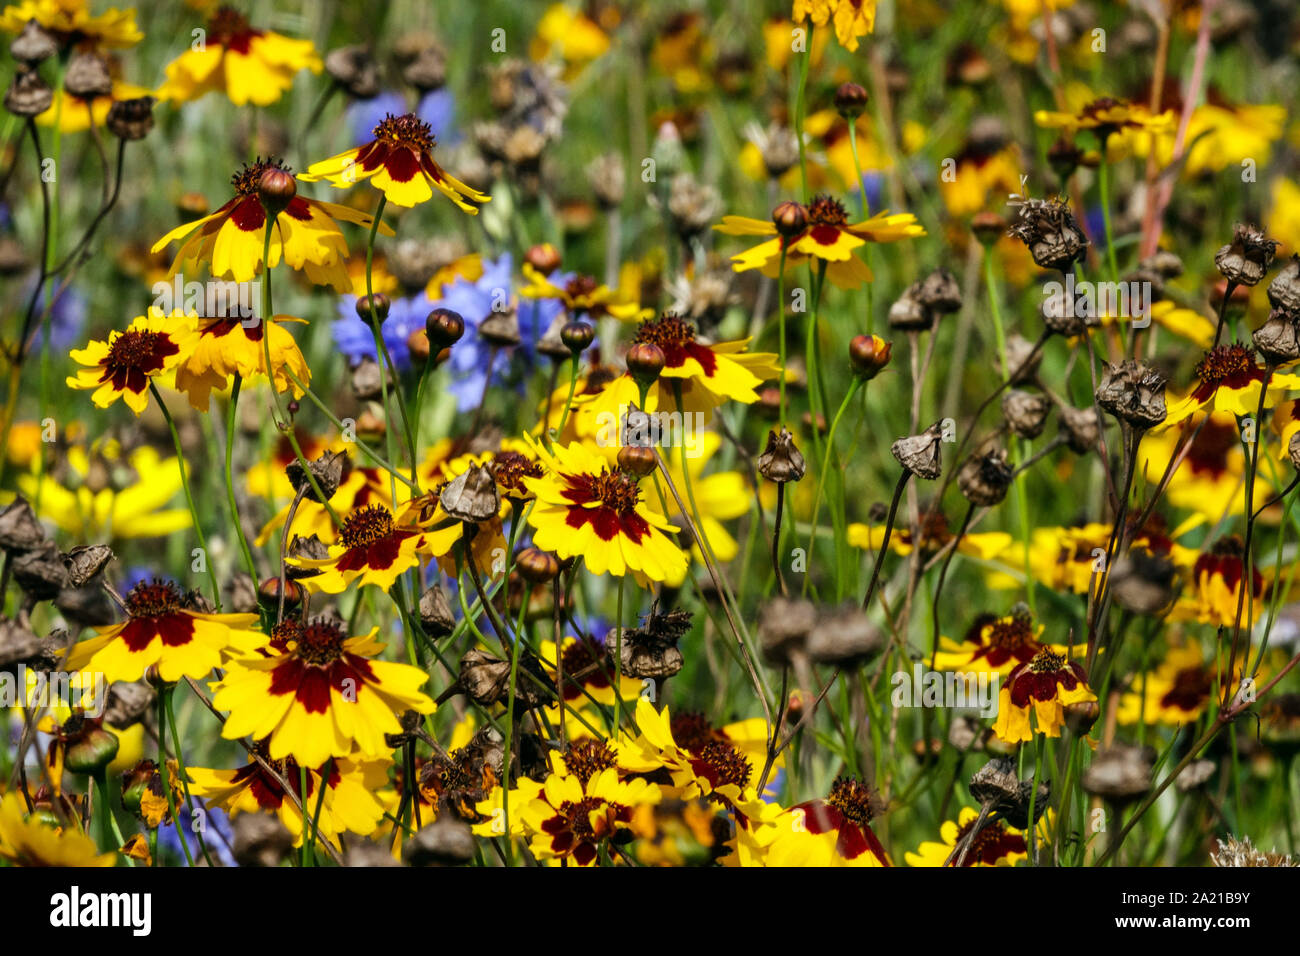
<point>229,346</point>
<point>349,804</point>
<point>827,236</point>
<point>124,365</point>
<point>1229,378</point>
<point>399,163</point>
<point>996,844</point>
<point>247,64</point>
<point>160,630</point>
<point>588,672</point>
<point>1211,478</point>
<point>133,505</point>
<point>851,18</point>
<point>230,240</point>
<point>582,296</point>
<point>360,488</point>
<point>1216,584</point>
<point>832,832</point>
<point>706,375</point>
<point>371,549</point>
<point>583,509</point>
<point>935,533</point>
<point>1046,684</point>
<point>1105,116</point>
<point>324,695</point>
<point>76,114</point>
<point>569,820</point>
<point>994,644</point>
<point>32,840</point>
<point>71,22</point>
<point>1175,693</point>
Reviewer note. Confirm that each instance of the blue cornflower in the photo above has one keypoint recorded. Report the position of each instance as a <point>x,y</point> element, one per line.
<point>355,340</point>
<point>218,836</point>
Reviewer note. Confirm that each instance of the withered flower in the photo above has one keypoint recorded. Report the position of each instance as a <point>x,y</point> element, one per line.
<point>355,70</point>
<point>261,839</point>
<point>607,178</point>
<point>1284,290</point>
<point>1246,259</point>
<point>783,627</point>
<point>471,496</point>
<point>1080,428</point>
<point>328,470</point>
<point>447,841</point>
<point>40,572</point>
<point>1133,392</point>
<point>1142,582</point>
<point>19,528</point>
<point>938,292</point>
<point>781,461</point>
<point>919,454</point>
<point>33,45</point>
<point>130,119</point>
<point>1050,232</point>
<point>1120,773</point>
<point>985,477</point>
<point>87,76</point>
<point>17,643</point>
<point>650,651</point>
<point>28,95</point>
<point>1278,339</point>
<point>844,636</point>
<point>1025,413</point>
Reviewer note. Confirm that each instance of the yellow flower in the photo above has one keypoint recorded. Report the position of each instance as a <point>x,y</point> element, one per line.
<point>1175,693</point>
<point>828,237</point>
<point>399,163</point>
<point>570,821</point>
<point>851,18</point>
<point>1229,378</point>
<point>160,631</point>
<point>71,22</point>
<point>568,34</point>
<point>248,65</point>
<point>834,832</point>
<point>123,366</point>
<point>372,549</point>
<point>1047,684</point>
<point>585,510</point>
<point>320,694</point>
<point>996,844</point>
<point>582,295</point>
<point>1106,116</point>
<point>231,346</point>
<point>231,239</point>
<point>31,841</point>
<point>75,115</point>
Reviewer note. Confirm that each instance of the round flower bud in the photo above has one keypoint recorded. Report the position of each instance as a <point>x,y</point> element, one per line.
<point>417,343</point>
<point>268,594</point>
<point>869,355</point>
<point>378,302</point>
<point>645,361</point>
<point>577,335</point>
<point>444,328</point>
<point>536,565</point>
<point>790,218</point>
<point>276,189</point>
<point>545,258</point>
<point>850,100</point>
<point>988,227</point>
<point>636,460</point>
<point>92,751</point>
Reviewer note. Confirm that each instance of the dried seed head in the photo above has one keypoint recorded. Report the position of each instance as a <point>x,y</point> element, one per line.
<point>127,703</point>
<point>1050,233</point>
<point>312,548</point>
<point>1246,259</point>
<point>1278,339</point>
<point>19,529</point>
<point>907,314</point>
<point>939,292</point>
<point>996,784</point>
<point>1143,582</point>
<point>501,328</point>
<point>1080,428</point>
<point>1120,773</point>
<point>650,651</point>
<point>328,470</point>
<point>28,95</point>
<point>919,454</point>
<point>1133,392</point>
<point>783,627</point>
<point>447,841</point>
<point>435,612</point>
<point>608,180</point>
<point>1284,290</point>
<point>427,68</point>
<point>368,380</point>
<point>781,461</point>
<point>472,495</point>
<point>1235,852</point>
<point>1194,776</point>
<point>85,562</point>
<point>984,478</point>
<point>1023,359</point>
<point>261,840</point>
<point>1293,451</point>
<point>87,77</point>
<point>1164,263</point>
<point>1025,412</point>
<point>40,572</point>
<point>355,70</point>
<point>33,45</point>
<point>844,636</point>
<point>17,643</point>
<point>131,119</point>
<point>1018,813</point>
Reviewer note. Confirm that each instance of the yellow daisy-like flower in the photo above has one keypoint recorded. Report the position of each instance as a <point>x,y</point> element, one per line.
<point>851,18</point>
<point>1175,693</point>
<point>360,488</point>
<point>828,236</point>
<point>834,832</point>
<point>1106,116</point>
<point>349,804</point>
<point>372,549</point>
<point>1229,378</point>
<point>1216,584</point>
<point>996,844</point>
<point>569,34</point>
<point>161,631</point>
<point>935,533</point>
<point>1045,685</point>
<point>72,22</point>
<point>582,295</point>
<point>399,163</point>
<point>248,65</point>
<point>230,241</point>
<point>995,644</point>
<point>569,821</point>
<point>27,840</point>
<point>231,346</point>
<point>584,509</point>
<point>123,366</point>
<point>88,509</point>
<point>321,695</point>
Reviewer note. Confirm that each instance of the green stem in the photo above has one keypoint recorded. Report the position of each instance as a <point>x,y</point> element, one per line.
<point>230,480</point>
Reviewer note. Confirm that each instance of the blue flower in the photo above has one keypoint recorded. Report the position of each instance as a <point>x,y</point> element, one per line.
<point>437,108</point>
<point>67,316</point>
<point>218,836</point>
<point>355,340</point>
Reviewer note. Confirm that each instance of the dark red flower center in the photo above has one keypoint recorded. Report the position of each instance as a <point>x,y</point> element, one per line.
<point>364,527</point>
<point>580,287</point>
<point>320,643</point>
<point>676,337</point>
<point>153,599</point>
<point>691,729</point>
<point>991,844</point>
<point>1190,689</point>
<point>229,28</point>
<point>407,130</point>
<point>134,356</point>
<point>721,764</point>
<point>1226,365</point>
<point>510,468</point>
<point>827,211</point>
<point>852,798</point>
<point>1226,559</point>
<point>587,758</point>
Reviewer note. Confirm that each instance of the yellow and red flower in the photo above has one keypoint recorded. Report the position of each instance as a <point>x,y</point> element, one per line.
<point>399,163</point>
<point>247,64</point>
<point>371,549</point>
<point>1046,684</point>
<point>850,18</point>
<point>996,844</point>
<point>569,820</point>
<point>123,366</point>
<point>1229,378</point>
<point>832,832</point>
<point>231,239</point>
<point>71,22</point>
<point>229,346</point>
<point>160,631</point>
<point>828,237</point>
<point>323,695</point>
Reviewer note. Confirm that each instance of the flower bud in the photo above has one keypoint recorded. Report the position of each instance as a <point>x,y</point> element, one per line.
<point>545,258</point>
<point>577,335</point>
<point>988,227</point>
<point>276,189</point>
<point>790,218</point>
<point>376,304</point>
<point>869,355</point>
<point>645,361</point>
<point>537,566</point>
<point>131,119</point>
<point>637,460</point>
<point>444,328</point>
<point>850,100</point>
<point>93,749</point>
<point>268,594</point>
